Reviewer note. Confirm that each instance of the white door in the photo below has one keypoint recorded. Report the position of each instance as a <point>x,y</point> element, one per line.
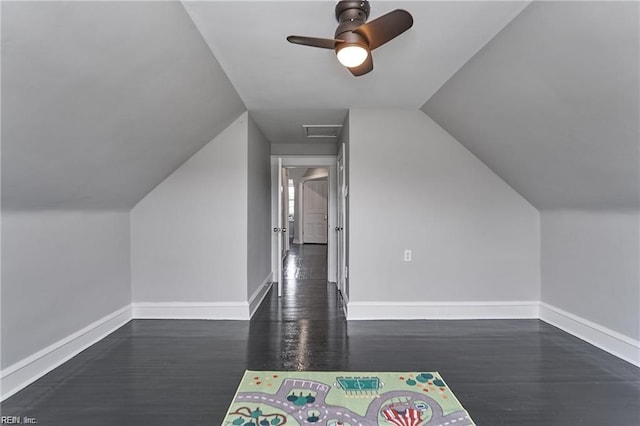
<point>315,211</point>
<point>342,256</point>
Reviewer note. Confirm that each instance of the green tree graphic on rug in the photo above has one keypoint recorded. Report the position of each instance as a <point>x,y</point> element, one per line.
<point>300,400</point>
<point>314,416</point>
<point>248,417</point>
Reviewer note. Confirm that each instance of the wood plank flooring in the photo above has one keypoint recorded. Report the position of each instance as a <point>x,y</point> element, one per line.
<point>167,372</point>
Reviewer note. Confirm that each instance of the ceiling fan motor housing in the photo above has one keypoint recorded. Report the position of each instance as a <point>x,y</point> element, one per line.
<point>351,15</point>
<point>344,5</point>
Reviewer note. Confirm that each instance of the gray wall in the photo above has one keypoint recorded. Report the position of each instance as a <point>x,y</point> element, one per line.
<point>61,271</point>
<point>590,266</point>
<point>259,232</point>
<point>413,186</point>
<point>551,105</point>
<point>188,235</point>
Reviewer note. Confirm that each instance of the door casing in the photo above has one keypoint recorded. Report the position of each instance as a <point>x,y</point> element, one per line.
<point>328,162</point>
<point>341,270</point>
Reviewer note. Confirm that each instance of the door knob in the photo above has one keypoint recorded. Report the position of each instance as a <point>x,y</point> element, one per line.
<point>276,229</point>
<point>284,229</point>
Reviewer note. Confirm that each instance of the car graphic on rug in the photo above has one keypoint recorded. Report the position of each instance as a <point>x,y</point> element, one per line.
<point>338,399</point>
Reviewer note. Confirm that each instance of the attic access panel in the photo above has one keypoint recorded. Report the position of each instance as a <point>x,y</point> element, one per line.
<point>322,130</point>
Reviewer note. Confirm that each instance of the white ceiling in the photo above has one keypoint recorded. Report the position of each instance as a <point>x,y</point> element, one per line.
<point>288,85</point>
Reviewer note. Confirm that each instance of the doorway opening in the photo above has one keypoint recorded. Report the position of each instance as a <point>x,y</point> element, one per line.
<point>307,213</point>
<point>307,204</point>
<point>304,212</point>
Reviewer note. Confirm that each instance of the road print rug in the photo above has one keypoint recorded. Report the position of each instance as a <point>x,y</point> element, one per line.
<point>296,398</point>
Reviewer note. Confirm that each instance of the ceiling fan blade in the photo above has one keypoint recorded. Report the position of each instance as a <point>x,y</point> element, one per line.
<point>324,43</point>
<point>385,28</point>
<point>367,66</point>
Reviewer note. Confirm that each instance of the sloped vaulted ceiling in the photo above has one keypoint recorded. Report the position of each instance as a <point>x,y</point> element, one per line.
<point>551,105</point>
<point>102,100</point>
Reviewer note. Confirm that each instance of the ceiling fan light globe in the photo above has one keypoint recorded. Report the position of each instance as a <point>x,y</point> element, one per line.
<point>352,55</point>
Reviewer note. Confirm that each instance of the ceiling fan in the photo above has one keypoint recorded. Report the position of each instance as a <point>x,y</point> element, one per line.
<point>355,38</point>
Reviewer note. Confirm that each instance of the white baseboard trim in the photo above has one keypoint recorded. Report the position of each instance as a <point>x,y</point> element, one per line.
<point>258,296</point>
<point>21,374</point>
<point>606,339</point>
<point>192,310</point>
<point>24,372</point>
<point>442,310</point>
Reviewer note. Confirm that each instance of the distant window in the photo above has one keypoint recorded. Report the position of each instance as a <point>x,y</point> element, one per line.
<point>292,200</point>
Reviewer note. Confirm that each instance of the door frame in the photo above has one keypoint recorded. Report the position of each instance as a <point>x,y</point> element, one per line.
<point>341,270</point>
<point>279,228</point>
<point>323,161</point>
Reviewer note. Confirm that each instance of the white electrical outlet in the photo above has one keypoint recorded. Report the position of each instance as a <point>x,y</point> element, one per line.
<point>407,255</point>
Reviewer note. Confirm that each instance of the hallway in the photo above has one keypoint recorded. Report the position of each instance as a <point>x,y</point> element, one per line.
<point>306,294</point>
<point>306,262</point>
<point>306,328</point>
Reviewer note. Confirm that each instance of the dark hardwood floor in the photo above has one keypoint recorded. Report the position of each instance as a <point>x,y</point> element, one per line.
<point>167,372</point>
